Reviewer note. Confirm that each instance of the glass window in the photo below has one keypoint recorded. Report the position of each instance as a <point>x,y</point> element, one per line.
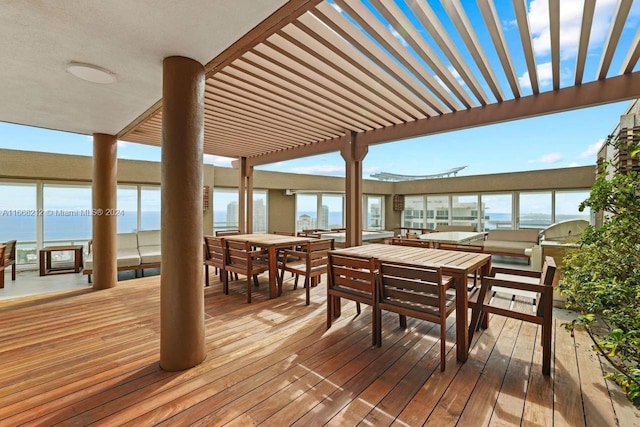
<point>331,213</point>
<point>225,209</point>
<point>306,211</point>
<point>373,212</point>
<point>18,215</point>
<point>67,218</point>
<point>535,210</point>
<point>496,212</point>
<point>150,208</point>
<point>127,205</point>
<point>464,210</point>
<point>413,214</point>
<point>259,211</point>
<point>437,211</point>
<point>567,203</point>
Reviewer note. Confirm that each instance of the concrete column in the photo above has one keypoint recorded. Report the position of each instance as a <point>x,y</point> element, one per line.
<point>181,293</point>
<point>104,189</point>
<point>353,155</point>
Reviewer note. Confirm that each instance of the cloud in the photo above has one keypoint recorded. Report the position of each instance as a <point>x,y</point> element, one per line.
<point>397,36</point>
<point>570,25</point>
<point>330,170</point>
<point>573,165</point>
<point>545,76</point>
<point>593,149</point>
<point>123,144</point>
<point>217,160</point>
<point>548,158</point>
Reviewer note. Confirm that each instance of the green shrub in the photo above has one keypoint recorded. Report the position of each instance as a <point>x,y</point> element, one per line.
<point>602,279</point>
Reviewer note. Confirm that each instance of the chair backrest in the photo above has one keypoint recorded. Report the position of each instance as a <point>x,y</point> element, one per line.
<point>547,278</point>
<point>319,252</point>
<point>236,253</point>
<point>410,242</point>
<point>2,251</point>
<point>283,233</point>
<point>412,288</point>
<point>352,275</point>
<point>213,251</point>
<point>227,233</point>
<point>9,252</point>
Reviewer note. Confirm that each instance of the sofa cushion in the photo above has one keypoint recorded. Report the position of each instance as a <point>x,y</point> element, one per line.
<point>127,241</point>
<point>148,238</point>
<point>523,235</point>
<point>150,254</point>
<point>506,246</point>
<point>128,257</point>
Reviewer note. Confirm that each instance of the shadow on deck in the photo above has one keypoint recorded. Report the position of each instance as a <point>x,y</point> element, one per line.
<point>86,357</point>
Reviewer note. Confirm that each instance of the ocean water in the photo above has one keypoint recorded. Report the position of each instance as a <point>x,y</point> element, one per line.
<point>57,227</point>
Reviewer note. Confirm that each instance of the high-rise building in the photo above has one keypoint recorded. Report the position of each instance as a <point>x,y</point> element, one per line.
<point>232,214</point>
<point>323,221</point>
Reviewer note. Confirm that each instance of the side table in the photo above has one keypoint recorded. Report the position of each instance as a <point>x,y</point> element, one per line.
<point>45,260</point>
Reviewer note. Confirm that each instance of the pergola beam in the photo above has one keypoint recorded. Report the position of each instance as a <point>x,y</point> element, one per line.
<point>600,92</point>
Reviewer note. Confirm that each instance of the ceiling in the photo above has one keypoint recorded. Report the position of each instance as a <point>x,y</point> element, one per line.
<point>297,78</point>
<point>130,38</point>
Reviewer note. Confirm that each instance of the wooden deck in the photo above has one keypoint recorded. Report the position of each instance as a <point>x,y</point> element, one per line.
<point>83,357</point>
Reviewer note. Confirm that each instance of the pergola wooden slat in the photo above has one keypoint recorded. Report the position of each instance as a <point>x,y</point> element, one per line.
<point>301,83</point>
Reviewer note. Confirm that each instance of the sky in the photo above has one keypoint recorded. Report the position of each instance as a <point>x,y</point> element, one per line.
<point>553,141</point>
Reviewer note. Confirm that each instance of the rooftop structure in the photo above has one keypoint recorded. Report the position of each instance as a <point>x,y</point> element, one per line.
<point>386,176</point>
<point>264,82</point>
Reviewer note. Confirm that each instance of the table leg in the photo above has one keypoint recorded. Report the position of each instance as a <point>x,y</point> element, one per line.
<point>42,270</point>
<point>462,318</point>
<point>273,272</point>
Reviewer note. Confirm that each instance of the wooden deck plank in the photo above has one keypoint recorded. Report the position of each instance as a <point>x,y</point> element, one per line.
<point>598,411</point>
<point>568,409</point>
<point>334,389</point>
<point>397,386</point>
<point>85,357</point>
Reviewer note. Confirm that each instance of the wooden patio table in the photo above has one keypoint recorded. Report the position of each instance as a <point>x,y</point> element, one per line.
<point>455,264</point>
<point>271,242</point>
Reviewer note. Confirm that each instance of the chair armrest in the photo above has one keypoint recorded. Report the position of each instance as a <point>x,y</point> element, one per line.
<point>515,272</point>
<point>257,253</point>
<point>514,284</point>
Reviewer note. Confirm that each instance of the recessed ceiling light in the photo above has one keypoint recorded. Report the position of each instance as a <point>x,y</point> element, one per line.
<point>91,73</point>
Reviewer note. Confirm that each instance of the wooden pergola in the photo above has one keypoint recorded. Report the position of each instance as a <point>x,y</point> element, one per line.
<point>326,76</point>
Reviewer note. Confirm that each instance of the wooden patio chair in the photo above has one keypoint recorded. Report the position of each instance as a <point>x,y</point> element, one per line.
<point>214,257</point>
<point>222,233</point>
<point>415,242</point>
<point>415,292</point>
<point>538,283</point>
<point>353,278</point>
<point>464,248</point>
<point>310,260</point>
<point>240,258</point>
<point>2,267</point>
<point>10,257</point>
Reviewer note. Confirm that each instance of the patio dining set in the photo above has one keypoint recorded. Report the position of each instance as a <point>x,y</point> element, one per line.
<point>413,281</point>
